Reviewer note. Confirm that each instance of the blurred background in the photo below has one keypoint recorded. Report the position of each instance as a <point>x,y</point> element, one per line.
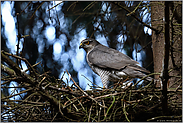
<point>50,33</point>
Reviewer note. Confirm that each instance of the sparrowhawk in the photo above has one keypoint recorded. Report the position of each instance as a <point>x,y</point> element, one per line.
<point>110,64</point>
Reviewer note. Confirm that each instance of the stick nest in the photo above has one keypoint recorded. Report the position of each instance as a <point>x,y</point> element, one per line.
<point>41,97</point>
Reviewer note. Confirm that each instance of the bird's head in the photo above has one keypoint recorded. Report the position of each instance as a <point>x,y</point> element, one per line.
<point>88,44</point>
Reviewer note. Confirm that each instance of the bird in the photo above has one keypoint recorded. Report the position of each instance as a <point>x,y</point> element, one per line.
<point>110,64</point>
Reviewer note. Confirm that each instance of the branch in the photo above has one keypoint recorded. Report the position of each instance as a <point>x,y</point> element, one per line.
<point>133,15</point>
<point>8,70</point>
<point>134,9</point>
<point>23,59</point>
<point>83,91</point>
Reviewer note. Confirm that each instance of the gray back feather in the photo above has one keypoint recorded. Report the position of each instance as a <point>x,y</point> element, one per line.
<point>105,57</point>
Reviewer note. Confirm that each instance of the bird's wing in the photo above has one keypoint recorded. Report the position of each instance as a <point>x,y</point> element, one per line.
<point>105,57</point>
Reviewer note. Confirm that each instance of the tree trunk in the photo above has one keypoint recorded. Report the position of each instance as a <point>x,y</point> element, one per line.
<point>158,40</point>
<point>175,58</point>
<point>167,49</point>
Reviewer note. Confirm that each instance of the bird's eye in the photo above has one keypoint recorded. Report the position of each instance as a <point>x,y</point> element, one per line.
<point>87,43</point>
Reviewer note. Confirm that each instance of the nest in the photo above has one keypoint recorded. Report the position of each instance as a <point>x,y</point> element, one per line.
<point>46,98</point>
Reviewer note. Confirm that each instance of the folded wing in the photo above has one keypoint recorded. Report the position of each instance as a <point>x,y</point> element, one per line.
<point>105,57</point>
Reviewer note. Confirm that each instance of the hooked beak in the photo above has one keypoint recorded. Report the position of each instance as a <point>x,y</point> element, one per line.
<point>80,46</point>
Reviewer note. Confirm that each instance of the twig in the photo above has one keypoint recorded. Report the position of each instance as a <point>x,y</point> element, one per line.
<point>83,91</point>
<point>104,108</point>
<point>19,36</point>
<point>8,70</point>
<point>144,46</point>
<point>123,104</point>
<point>54,6</point>
<point>90,112</point>
<point>108,95</point>
<point>33,66</point>
<point>26,7</point>
<point>71,5</point>
<point>60,108</point>
<point>63,90</point>
<point>39,85</point>
<point>88,5</point>
<point>17,94</point>
<point>146,77</point>
<point>73,100</point>
<point>73,104</point>
<point>125,113</point>
<point>134,9</point>
<point>91,81</point>
<point>37,9</point>
<point>54,117</point>
<point>99,113</point>
<point>25,60</point>
<point>116,3</point>
<point>109,107</point>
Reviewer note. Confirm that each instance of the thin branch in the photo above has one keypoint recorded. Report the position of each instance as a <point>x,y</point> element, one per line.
<point>83,91</point>
<point>54,6</point>
<point>133,15</point>
<point>37,9</point>
<point>134,9</point>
